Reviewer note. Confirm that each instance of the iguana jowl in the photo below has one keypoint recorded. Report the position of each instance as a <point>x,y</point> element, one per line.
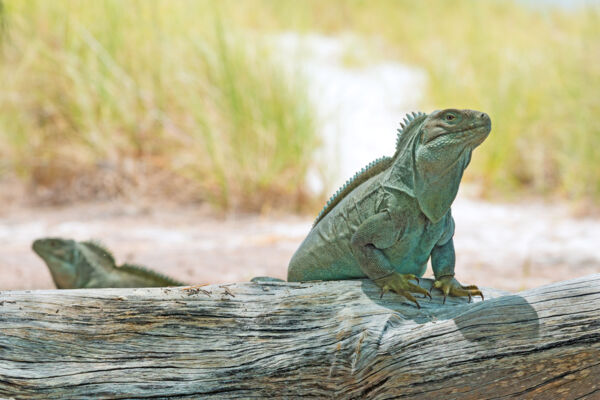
<point>390,218</point>
<point>75,265</point>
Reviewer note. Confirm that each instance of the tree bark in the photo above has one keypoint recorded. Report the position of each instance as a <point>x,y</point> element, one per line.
<point>320,339</point>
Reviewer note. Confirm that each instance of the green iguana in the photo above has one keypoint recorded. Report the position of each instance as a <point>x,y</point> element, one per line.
<point>75,265</point>
<point>392,216</point>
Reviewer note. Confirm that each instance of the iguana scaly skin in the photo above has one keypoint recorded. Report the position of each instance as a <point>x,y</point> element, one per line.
<point>387,221</point>
<point>76,265</point>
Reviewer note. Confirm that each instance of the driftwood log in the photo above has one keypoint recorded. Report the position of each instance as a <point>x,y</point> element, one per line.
<point>321,339</point>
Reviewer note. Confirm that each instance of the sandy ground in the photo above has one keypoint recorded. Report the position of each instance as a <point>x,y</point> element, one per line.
<point>511,247</point>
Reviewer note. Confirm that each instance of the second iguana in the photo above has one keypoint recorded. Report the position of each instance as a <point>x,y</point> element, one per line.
<point>75,265</point>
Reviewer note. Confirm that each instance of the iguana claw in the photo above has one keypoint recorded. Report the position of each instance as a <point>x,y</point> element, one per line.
<point>448,285</point>
<point>400,284</point>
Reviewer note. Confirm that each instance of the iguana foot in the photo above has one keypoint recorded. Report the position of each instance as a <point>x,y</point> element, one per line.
<point>400,284</point>
<point>450,286</point>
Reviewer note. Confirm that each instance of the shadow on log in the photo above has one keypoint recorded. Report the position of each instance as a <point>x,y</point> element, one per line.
<point>320,339</point>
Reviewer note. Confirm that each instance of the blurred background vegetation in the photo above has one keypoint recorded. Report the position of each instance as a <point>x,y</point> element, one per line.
<point>187,97</point>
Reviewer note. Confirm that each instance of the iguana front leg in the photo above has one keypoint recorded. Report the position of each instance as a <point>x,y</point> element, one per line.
<point>376,233</point>
<point>442,262</point>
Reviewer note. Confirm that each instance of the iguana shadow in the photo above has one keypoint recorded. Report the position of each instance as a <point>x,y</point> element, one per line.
<point>503,316</point>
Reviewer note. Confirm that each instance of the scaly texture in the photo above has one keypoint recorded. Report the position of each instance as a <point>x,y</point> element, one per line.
<point>391,217</point>
<point>89,264</point>
<point>372,169</point>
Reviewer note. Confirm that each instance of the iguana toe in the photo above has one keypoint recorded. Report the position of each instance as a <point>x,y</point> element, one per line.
<point>473,291</point>
<point>400,283</point>
<point>448,285</point>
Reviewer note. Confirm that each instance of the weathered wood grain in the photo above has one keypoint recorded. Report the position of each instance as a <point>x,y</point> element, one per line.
<point>290,340</point>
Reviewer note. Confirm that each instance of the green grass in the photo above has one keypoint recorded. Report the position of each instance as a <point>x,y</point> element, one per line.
<point>535,71</point>
<point>188,86</point>
<point>169,84</point>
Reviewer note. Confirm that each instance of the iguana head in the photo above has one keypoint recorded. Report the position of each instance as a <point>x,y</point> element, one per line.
<point>72,263</point>
<point>433,151</point>
<point>62,257</point>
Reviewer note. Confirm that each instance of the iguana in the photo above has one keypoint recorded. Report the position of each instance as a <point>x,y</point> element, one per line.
<point>392,216</point>
<point>88,264</point>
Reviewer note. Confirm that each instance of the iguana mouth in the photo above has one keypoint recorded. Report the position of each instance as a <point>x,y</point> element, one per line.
<point>484,125</point>
<point>487,125</point>
<point>478,139</point>
<point>480,128</point>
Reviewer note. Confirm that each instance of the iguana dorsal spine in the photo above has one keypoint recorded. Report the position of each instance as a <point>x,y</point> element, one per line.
<point>145,272</point>
<point>100,249</point>
<point>372,169</point>
<point>410,121</point>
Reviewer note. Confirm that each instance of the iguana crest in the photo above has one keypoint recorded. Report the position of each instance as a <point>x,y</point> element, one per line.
<point>410,120</point>
<point>372,169</point>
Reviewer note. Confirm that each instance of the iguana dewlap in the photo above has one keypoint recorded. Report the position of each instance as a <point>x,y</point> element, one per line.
<point>391,217</point>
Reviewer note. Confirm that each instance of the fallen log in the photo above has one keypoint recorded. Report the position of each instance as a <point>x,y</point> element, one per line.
<point>319,339</point>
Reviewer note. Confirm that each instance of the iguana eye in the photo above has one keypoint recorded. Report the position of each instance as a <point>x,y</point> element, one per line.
<point>450,117</point>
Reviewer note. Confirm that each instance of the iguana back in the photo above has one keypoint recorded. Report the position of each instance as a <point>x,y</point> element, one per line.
<point>372,169</point>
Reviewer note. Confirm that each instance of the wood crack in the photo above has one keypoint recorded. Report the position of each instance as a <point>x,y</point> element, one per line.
<point>319,339</point>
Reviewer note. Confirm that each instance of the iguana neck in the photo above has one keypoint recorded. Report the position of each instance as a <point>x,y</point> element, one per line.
<point>64,273</point>
<point>90,265</point>
<point>433,184</point>
<point>400,176</point>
